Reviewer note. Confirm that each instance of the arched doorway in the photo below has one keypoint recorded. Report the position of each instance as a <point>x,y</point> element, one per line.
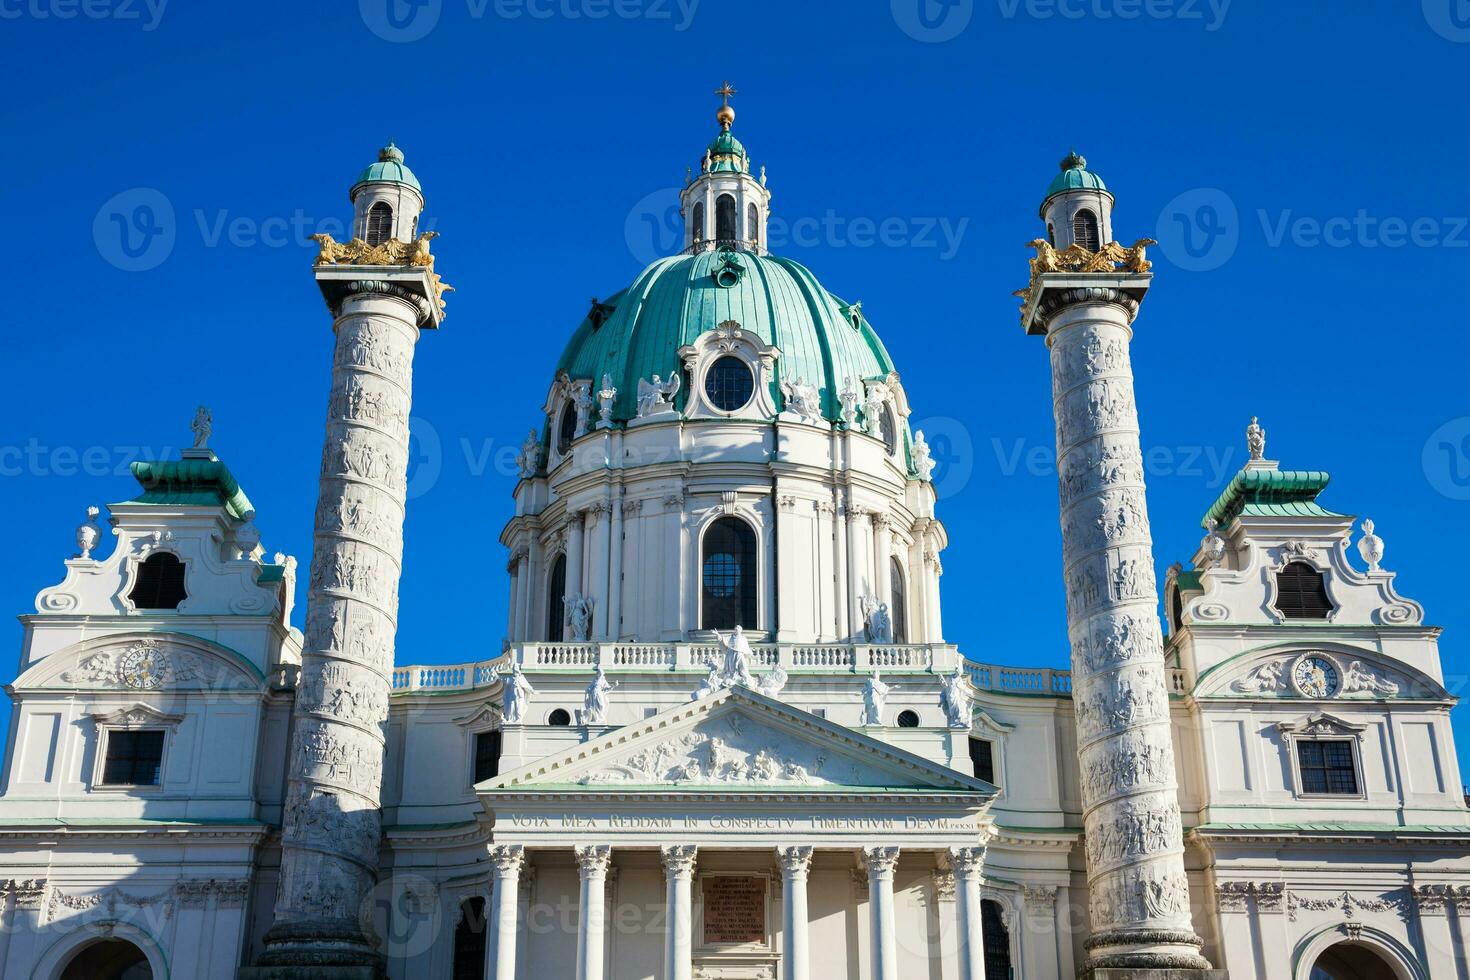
<point>1352,961</point>
<point>108,959</point>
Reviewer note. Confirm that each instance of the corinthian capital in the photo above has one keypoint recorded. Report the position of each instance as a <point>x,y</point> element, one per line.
<point>880,861</point>
<point>507,859</point>
<point>794,861</point>
<point>593,859</point>
<point>678,859</point>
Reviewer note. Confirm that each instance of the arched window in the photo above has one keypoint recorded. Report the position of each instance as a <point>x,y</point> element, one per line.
<point>556,600</point>
<point>898,609</point>
<point>725,217</point>
<point>1301,592</point>
<point>1051,234</point>
<point>469,940</point>
<point>753,226</point>
<point>560,718</point>
<point>908,719</point>
<point>1176,609</point>
<point>888,429</point>
<point>108,959</point>
<point>728,574</point>
<point>379,224</point>
<point>566,430</point>
<point>1084,230</point>
<point>997,939</point>
<point>160,583</point>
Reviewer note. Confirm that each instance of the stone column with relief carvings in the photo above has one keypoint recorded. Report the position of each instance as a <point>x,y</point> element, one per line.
<point>331,828</point>
<point>1139,895</point>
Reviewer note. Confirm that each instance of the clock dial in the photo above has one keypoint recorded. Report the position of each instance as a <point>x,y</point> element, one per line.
<point>1315,677</point>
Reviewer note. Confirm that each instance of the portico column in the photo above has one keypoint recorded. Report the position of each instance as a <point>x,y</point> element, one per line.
<point>592,861</point>
<point>678,910</point>
<point>504,908</point>
<point>796,862</point>
<point>880,862</point>
<point>967,862</point>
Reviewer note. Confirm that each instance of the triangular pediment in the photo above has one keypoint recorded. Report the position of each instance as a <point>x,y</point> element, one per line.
<point>736,740</point>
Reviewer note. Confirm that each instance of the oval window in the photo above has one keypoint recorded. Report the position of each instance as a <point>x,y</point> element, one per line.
<point>729,384</point>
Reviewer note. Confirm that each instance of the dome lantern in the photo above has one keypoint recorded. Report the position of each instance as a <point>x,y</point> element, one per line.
<point>1078,209</point>
<point>386,200</point>
<point>724,206</point>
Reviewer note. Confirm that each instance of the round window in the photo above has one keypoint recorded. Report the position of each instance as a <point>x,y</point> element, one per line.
<point>560,718</point>
<point>908,719</point>
<point>729,384</point>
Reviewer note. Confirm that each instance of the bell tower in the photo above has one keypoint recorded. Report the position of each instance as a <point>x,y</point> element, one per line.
<point>724,206</point>
<point>1083,297</point>
<point>382,292</point>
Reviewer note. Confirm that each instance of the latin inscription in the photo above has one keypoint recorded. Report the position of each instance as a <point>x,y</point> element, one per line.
<point>734,910</point>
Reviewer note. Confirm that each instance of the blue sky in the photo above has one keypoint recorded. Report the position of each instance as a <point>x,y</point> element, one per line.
<point>1303,165</point>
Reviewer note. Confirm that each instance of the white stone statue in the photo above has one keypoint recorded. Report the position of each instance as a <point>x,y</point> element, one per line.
<point>582,402</point>
<point>1255,439</point>
<point>873,407</point>
<point>708,162</point>
<point>529,458</point>
<point>605,397</point>
<point>656,397</point>
<point>1213,545</point>
<point>803,400</point>
<point>1370,546</point>
<point>772,682</point>
<point>594,699</point>
<point>954,697</point>
<point>1361,680</point>
<point>737,658</point>
<point>579,616</point>
<point>763,175</point>
<point>709,685</point>
<point>203,427</point>
<point>515,696</point>
<point>247,537</point>
<point>878,626</point>
<point>88,535</point>
<point>923,462</point>
<point>848,396</point>
<point>1264,679</point>
<point>875,697</point>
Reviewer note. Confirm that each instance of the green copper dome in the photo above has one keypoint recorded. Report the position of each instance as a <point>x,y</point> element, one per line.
<point>676,300</point>
<point>727,153</point>
<point>1074,177</point>
<point>389,168</point>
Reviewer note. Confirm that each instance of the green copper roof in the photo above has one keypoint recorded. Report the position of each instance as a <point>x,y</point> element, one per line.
<point>389,168</point>
<point>1188,581</point>
<point>728,154</point>
<point>192,483</point>
<point>1074,177</point>
<point>676,300</point>
<point>1270,493</point>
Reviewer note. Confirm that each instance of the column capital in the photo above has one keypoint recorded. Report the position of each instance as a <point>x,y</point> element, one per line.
<point>967,861</point>
<point>507,859</point>
<point>795,861</point>
<point>593,860</point>
<point>880,861</point>
<point>678,859</point>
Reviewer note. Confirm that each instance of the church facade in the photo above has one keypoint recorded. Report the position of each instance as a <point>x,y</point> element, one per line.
<point>725,734</point>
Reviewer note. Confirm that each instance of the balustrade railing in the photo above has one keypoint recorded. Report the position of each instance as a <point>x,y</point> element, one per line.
<point>798,658</point>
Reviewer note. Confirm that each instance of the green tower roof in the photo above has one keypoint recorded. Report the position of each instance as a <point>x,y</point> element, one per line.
<point>1074,177</point>
<point>1270,493</point>
<point>390,169</point>
<point>192,483</point>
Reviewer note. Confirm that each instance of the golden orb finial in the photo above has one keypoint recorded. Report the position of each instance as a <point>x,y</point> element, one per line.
<point>726,115</point>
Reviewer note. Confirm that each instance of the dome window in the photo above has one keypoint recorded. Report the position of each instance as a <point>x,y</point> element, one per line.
<point>729,384</point>
<point>888,430</point>
<point>556,601</point>
<point>728,574</point>
<point>753,226</point>
<point>726,214</point>
<point>379,224</point>
<point>160,583</point>
<point>1084,230</point>
<point>898,603</point>
<point>1301,592</point>
<point>908,719</point>
<point>566,430</point>
<point>698,222</point>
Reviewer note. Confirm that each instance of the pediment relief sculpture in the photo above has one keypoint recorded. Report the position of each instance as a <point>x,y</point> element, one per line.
<point>137,664</point>
<point>1320,675</point>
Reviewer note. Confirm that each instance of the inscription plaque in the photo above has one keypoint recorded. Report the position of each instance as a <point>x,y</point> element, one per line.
<point>734,910</point>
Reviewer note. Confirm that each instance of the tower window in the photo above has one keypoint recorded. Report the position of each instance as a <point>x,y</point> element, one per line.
<point>728,573</point>
<point>898,602</point>
<point>160,583</point>
<point>1051,234</point>
<point>560,718</point>
<point>379,224</point>
<point>134,758</point>
<point>725,218</point>
<point>1327,767</point>
<point>487,755</point>
<point>566,430</point>
<point>982,758</point>
<point>556,600</point>
<point>908,719</point>
<point>1301,592</point>
<point>753,225</point>
<point>729,384</point>
<point>698,222</point>
<point>888,430</point>
<point>1176,608</point>
<point>469,941</point>
<point>1084,230</point>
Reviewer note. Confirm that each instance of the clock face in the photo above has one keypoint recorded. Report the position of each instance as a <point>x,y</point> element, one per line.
<point>143,667</point>
<point>1315,677</point>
